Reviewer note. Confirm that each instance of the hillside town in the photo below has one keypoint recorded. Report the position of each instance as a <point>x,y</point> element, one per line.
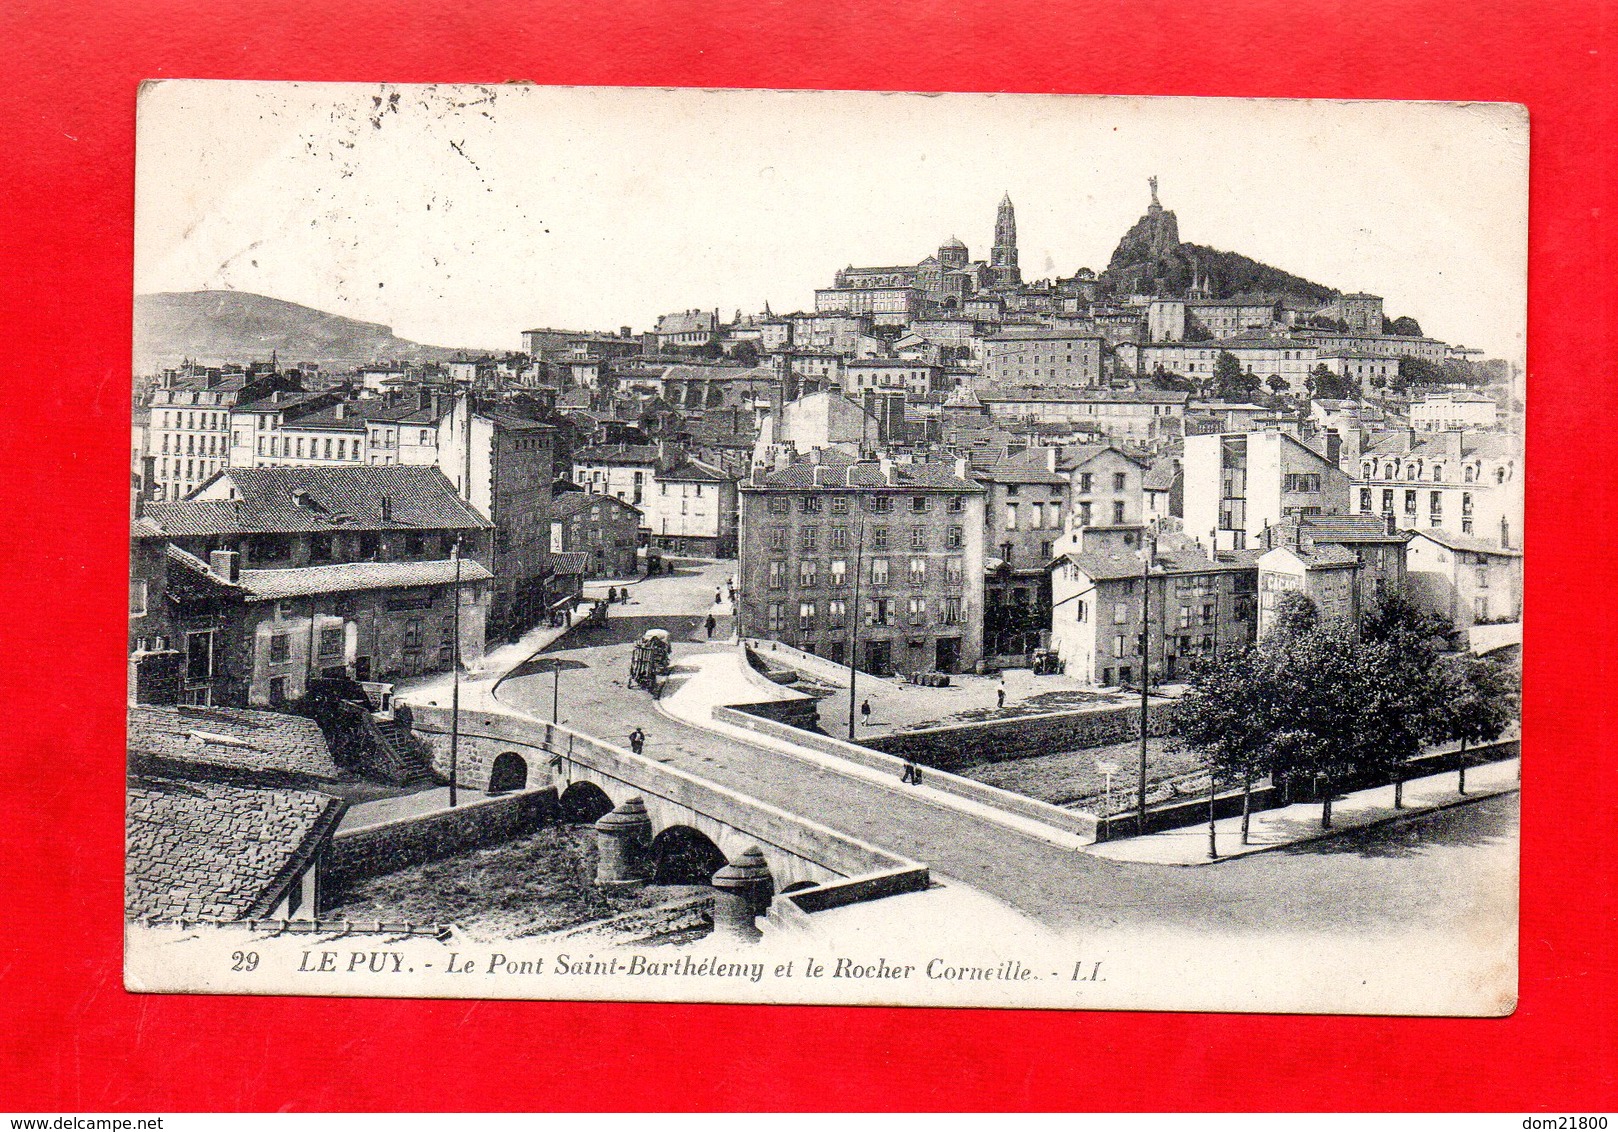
<point>940,494</point>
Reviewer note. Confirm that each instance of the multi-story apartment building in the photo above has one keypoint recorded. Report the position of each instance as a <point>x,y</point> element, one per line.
<point>189,427</point>
<point>1195,607</point>
<point>1043,358</point>
<point>1023,517</point>
<point>1122,414</point>
<point>687,506</point>
<point>1323,572</point>
<point>1463,579</point>
<point>604,529</point>
<point>1466,483</point>
<point>1238,484</point>
<point>1446,412</point>
<point>687,328</point>
<point>1107,488</point>
<point>269,577</point>
<point>916,379</point>
<point>878,562</point>
<point>1289,359</point>
<point>257,433</point>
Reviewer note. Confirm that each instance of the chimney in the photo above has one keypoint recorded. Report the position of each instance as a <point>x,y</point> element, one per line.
<point>963,468</point>
<point>1393,525</point>
<point>275,397</point>
<point>386,508</point>
<point>626,332</point>
<point>225,563</point>
<point>1050,458</point>
<point>1334,446</point>
<point>337,412</point>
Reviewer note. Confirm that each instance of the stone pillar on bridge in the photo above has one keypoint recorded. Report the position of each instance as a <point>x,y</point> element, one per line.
<point>744,889</point>
<point>624,845</point>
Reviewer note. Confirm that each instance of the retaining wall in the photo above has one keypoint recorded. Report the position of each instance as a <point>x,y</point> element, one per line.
<point>373,850</point>
<point>961,745</point>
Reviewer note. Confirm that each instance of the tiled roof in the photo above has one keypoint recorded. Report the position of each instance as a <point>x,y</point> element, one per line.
<point>1322,555</point>
<point>564,504</point>
<point>570,561</point>
<point>271,405</point>
<point>717,373</point>
<point>1160,476</point>
<point>1083,396</point>
<point>1466,543</point>
<point>209,851</point>
<point>339,498</point>
<point>1021,468</point>
<point>1041,335</point>
<point>837,470</point>
<point>617,454</point>
<point>1113,566</point>
<point>231,737</point>
<point>327,420</point>
<point>349,577</point>
<point>1075,456</point>
<point>693,471</point>
<point>1350,528</point>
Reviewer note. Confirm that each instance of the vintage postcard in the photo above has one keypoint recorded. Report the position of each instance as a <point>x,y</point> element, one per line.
<point>826,547</point>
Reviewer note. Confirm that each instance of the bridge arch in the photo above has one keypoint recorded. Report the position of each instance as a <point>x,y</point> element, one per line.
<point>584,801</point>
<point>508,772</point>
<point>683,855</point>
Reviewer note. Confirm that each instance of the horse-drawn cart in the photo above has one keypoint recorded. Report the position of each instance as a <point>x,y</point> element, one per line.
<point>650,661</point>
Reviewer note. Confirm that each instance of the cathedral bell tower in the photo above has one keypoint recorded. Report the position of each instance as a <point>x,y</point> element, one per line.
<point>1003,257</point>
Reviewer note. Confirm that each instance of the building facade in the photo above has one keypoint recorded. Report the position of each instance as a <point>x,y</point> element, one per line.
<point>1238,484</point>
<point>878,563</point>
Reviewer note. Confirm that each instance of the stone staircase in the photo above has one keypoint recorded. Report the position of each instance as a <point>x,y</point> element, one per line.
<point>396,755</point>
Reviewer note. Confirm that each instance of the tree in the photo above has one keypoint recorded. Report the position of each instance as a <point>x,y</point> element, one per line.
<point>1404,326</point>
<point>1417,371</point>
<point>746,352</point>
<point>1169,379</point>
<point>1325,384</point>
<point>1229,716</point>
<point>1230,381</point>
<point>1278,384</point>
<point>1296,614</point>
<point>1479,699</point>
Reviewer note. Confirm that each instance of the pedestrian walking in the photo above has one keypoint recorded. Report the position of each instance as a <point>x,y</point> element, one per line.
<point>637,740</point>
<point>1000,696</point>
<point>612,595</point>
<point>718,597</point>
<point>711,625</point>
<point>865,713</point>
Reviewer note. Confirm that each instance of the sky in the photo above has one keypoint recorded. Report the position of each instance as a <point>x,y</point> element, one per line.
<point>463,215</point>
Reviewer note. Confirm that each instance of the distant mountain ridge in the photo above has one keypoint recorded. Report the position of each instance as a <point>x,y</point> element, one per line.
<point>214,327</point>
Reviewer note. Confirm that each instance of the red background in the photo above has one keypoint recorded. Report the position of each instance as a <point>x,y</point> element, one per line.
<point>72,1039</point>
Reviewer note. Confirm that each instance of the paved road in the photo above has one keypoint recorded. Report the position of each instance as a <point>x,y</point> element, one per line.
<point>1435,871</point>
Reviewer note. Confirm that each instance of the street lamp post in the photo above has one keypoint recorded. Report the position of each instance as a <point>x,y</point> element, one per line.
<point>854,616</point>
<point>1147,550</point>
<point>455,677</point>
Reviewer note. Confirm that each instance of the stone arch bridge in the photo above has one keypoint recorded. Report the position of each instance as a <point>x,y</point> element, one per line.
<point>815,866</point>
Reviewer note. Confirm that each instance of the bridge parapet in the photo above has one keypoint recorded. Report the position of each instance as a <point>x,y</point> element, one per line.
<point>802,854</point>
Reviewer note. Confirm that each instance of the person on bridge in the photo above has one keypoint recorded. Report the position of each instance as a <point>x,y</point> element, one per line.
<point>637,740</point>
<point>711,624</point>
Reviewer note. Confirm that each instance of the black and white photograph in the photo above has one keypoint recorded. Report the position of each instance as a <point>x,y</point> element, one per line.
<point>826,547</point>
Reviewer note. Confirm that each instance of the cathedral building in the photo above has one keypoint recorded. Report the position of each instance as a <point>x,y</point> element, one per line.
<point>944,282</point>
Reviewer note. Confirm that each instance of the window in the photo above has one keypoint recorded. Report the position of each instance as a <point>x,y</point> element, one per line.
<point>918,538</point>
<point>1438,472</point>
<point>954,571</point>
<point>1087,482</point>
<point>806,616</point>
<point>839,538</point>
<point>918,611</point>
<point>1365,500</point>
<point>778,573</point>
<point>279,650</point>
<point>839,505</point>
<point>918,571</point>
<point>839,572</point>
<point>1387,501</point>
<point>1012,489</point>
<point>952,611</point>
<point>879,571</point>
<point>807,572</point>
<point>1011,516</point>
<point>1483,577</point>
<point>809,538</point>
<point>957,504</point>
<point>137,597</point>
<point>777,616</point>
<point>1118,647</point>
<point>1120,612</point>
<point>836,614</point>
<point>778,505</point>
<point>331,642</point>
<point>876,611</point>
<point>1120,480</point>
<point>1301,482</point>
<point>879,538</point>
<point>300,447</point>
<point>199,657</point>
<point>1480,608</point>
<point>918,504</point>
<point>1185,616</point>
<point>1410,503</point>
<point>879,504</point>
<point>955,538</point>
<point>778,538</point>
